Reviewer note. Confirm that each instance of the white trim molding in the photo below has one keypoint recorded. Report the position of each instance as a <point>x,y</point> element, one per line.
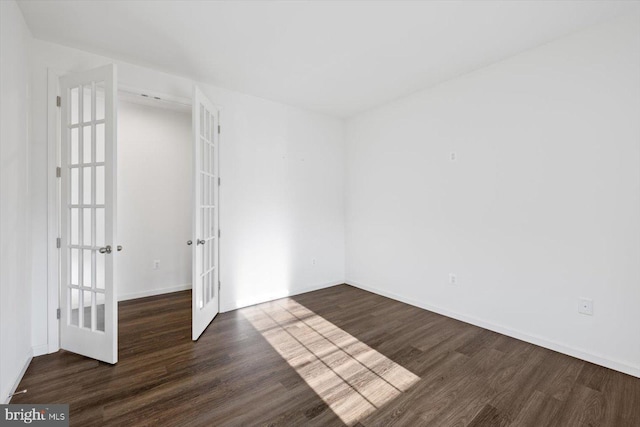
<point>153,292</point>
<point>53,230</point>
<point>39,350</point>
<point>278,295</point>
<point>523,336</point>
<point>7,398</point>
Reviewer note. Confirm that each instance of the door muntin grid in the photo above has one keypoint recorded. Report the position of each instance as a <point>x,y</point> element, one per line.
<point>207,207</point>
<point>84,208</point>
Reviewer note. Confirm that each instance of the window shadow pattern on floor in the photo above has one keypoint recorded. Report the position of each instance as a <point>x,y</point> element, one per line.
<point>352,378</point>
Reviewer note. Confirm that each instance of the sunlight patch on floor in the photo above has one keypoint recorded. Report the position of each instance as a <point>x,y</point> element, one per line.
<point>352,378</point>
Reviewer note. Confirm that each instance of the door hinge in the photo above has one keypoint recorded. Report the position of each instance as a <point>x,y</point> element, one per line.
<point>218,181</point>
<point>218,129</point>
<point>58,101</point>
<point>58,243</point>
<point>57,313</point>
<point>218,286</point>
<point>218,233</point>
<point>58,172</point>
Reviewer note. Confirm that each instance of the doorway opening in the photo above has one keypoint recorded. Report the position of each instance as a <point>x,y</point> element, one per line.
<point>154,174</point>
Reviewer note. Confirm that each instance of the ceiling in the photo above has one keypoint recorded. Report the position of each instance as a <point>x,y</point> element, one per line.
<point>338,58</point>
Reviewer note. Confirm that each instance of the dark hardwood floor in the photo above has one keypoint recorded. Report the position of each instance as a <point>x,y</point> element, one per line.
<point>331,357</point>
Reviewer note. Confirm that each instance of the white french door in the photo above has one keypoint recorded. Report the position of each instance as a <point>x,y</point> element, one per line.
<point>88,251</point>
<point>205,214</point>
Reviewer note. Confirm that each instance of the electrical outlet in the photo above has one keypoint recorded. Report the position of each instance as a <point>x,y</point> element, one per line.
<point>313,261</point>
<point>585,306</point>
<point>156,264</point>
<point>453,279</point>
<point>453,156</point>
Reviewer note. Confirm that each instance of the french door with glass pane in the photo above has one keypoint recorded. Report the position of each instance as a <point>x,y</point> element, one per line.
<point>88,251</point>
<point>205,278</point>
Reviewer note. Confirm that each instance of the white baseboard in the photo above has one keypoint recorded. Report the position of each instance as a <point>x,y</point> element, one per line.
<point>523,336</point>
<point>7,397</point>
<point>153,292</point>
<point>39,350</point>
<point>277,295</point>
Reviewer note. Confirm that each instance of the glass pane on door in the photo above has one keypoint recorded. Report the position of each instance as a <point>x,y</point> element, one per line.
<point>208,192</point>
<point>86,225</point>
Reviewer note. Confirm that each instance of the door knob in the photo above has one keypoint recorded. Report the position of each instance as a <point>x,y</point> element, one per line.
<point>105,250</point>
<point>189,242</point>
<point>200,242</point>
<point>119,248</point>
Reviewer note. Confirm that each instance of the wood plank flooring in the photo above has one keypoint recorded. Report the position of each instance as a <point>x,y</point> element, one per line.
<point>338,356</point>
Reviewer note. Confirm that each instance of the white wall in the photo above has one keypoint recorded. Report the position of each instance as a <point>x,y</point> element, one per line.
<point>154,199</point>
<point>542,206</point>
<point>282,195</point>
<point>15,293</point>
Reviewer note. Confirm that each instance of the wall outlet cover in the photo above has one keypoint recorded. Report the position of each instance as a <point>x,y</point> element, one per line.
<point>585,306</point>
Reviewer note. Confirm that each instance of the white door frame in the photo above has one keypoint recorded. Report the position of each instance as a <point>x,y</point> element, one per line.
<point>53,208</point>
<point>53,199</point>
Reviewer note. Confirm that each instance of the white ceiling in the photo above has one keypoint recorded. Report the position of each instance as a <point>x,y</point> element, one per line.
<point>338,58</point>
